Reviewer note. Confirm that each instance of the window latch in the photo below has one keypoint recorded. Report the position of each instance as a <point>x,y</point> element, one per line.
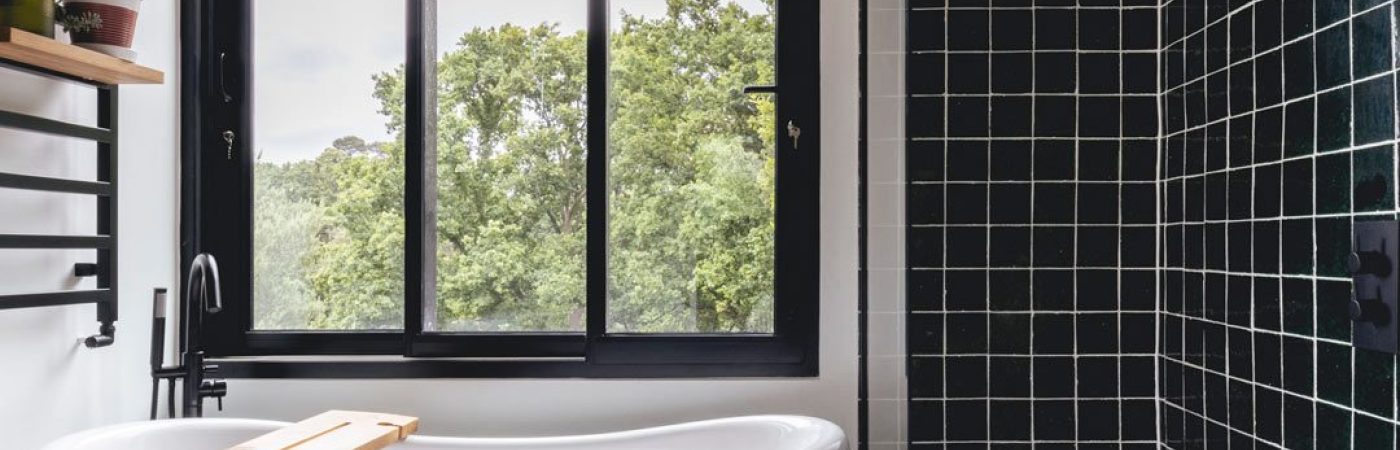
<point>229,137</point>
<point>793,132</point>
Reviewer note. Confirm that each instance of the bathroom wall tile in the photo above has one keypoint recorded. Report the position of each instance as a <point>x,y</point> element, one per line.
<point>1045,202</point>
<point>1255,350</point>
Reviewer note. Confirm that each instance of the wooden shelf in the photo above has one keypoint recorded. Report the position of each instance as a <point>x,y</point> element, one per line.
<point>28,48</point>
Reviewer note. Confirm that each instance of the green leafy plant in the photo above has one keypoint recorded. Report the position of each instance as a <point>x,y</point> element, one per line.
<point>86,22</point>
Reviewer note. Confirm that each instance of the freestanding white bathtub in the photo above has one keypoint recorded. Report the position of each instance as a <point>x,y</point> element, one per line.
<point>737,433</point>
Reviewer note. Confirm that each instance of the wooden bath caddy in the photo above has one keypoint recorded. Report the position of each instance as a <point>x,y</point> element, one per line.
<point>337,430</point>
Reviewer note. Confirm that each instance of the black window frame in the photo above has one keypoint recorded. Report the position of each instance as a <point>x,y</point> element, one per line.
<point>217,216</point>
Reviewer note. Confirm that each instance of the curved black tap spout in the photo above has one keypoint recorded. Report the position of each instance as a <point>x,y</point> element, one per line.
<point>202,296</point>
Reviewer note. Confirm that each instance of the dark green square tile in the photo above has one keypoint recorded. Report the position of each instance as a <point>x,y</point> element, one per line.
<point>1268,414</point>
<point>1373,175</point>
<point>1374,119</point>
<point>1298,187</point>
<point>1333,193</point>
<point>971,332</point>
<point>1298,306</point>
<point>1298,365</point>
<point>1298,72</point>
<point>1330,11</point>
<point>1362,5</point>
<point>1241,397</point>
<point>1334,120</point>
<point>1298,423</point>
<point>1299,126</point>
<point>1333,427</point>
<point>1333,56</point>
<point>1297,247</point>
<point>1297,18</point>
<point>926,420</point>
<point>1373,433</point>
<point>1374,380</point>
<point>1010,333</point>
<point>1333,246</point>
<point>1333,375</point>
<point>1333,310</point>
<point>1371,40</point>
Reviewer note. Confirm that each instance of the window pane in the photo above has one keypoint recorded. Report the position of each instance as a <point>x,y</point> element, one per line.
<point>691,165</point>
<point>328,181</point>
<point>510,172</point>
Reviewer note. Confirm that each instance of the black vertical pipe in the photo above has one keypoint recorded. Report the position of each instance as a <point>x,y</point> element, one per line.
<point>107,114</point>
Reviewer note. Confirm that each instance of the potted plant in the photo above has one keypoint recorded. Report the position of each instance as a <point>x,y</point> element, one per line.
<point>34,16</point>
<point>105,26</point>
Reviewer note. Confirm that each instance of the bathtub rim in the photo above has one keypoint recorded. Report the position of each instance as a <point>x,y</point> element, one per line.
<point>826,430</point>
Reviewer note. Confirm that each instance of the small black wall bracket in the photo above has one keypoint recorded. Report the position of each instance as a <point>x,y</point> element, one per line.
<point>84,270</point>
<point>1375,285</point>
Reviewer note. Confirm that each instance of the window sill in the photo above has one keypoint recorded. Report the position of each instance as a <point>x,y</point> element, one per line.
<point>391,367</point>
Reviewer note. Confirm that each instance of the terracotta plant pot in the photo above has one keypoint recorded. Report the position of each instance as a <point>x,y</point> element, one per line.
<point>118,25</point>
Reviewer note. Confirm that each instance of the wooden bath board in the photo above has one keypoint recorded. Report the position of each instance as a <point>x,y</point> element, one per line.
<point>337,430</point>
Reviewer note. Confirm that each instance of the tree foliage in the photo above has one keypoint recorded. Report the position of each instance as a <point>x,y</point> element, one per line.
<point>690,187</point>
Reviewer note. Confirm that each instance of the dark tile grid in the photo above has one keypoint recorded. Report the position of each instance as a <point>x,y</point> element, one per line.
<point>1279,134</point>
<point>1033,228</point>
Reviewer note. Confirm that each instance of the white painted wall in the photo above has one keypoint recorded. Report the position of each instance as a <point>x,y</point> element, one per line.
<point>50,384</point>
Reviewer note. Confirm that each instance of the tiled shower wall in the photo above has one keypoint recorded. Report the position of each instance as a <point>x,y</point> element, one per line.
<point>1031,169</point>
<point>1279,135</point>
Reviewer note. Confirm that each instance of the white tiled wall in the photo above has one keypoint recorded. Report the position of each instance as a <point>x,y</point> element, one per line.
<point>888,391</point>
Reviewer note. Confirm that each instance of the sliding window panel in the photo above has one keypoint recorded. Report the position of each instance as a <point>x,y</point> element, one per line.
<point>505,162</point>
<point>691,167</point>
<point>327,164</point>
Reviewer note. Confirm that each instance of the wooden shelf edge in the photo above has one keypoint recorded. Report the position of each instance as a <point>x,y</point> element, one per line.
<point>38,51</point>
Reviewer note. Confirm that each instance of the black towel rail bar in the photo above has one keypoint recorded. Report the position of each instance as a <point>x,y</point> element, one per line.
<point>37,124</point>
<point>16,301</point>
<point>33,183</point>
<point>46,241</point>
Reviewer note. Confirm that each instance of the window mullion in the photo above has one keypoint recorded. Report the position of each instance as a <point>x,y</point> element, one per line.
<point>597,198</point>
<point>419,175</point>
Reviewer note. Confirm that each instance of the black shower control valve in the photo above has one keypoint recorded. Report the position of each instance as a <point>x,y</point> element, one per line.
<point>1370,310</point>
<point>1374,304</point>
<point>1369,263</point>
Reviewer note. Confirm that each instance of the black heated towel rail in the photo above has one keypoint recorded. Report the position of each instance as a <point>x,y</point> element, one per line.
<point>105,188</point>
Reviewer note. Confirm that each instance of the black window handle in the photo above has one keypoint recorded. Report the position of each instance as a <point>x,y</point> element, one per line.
<point>223,82</point>
<point>761,89</point>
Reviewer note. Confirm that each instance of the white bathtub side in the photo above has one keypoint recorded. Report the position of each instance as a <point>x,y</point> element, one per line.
<point>738,433</point>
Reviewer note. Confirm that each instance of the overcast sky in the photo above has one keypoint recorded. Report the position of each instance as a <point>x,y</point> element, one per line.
<point>314,59</point>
